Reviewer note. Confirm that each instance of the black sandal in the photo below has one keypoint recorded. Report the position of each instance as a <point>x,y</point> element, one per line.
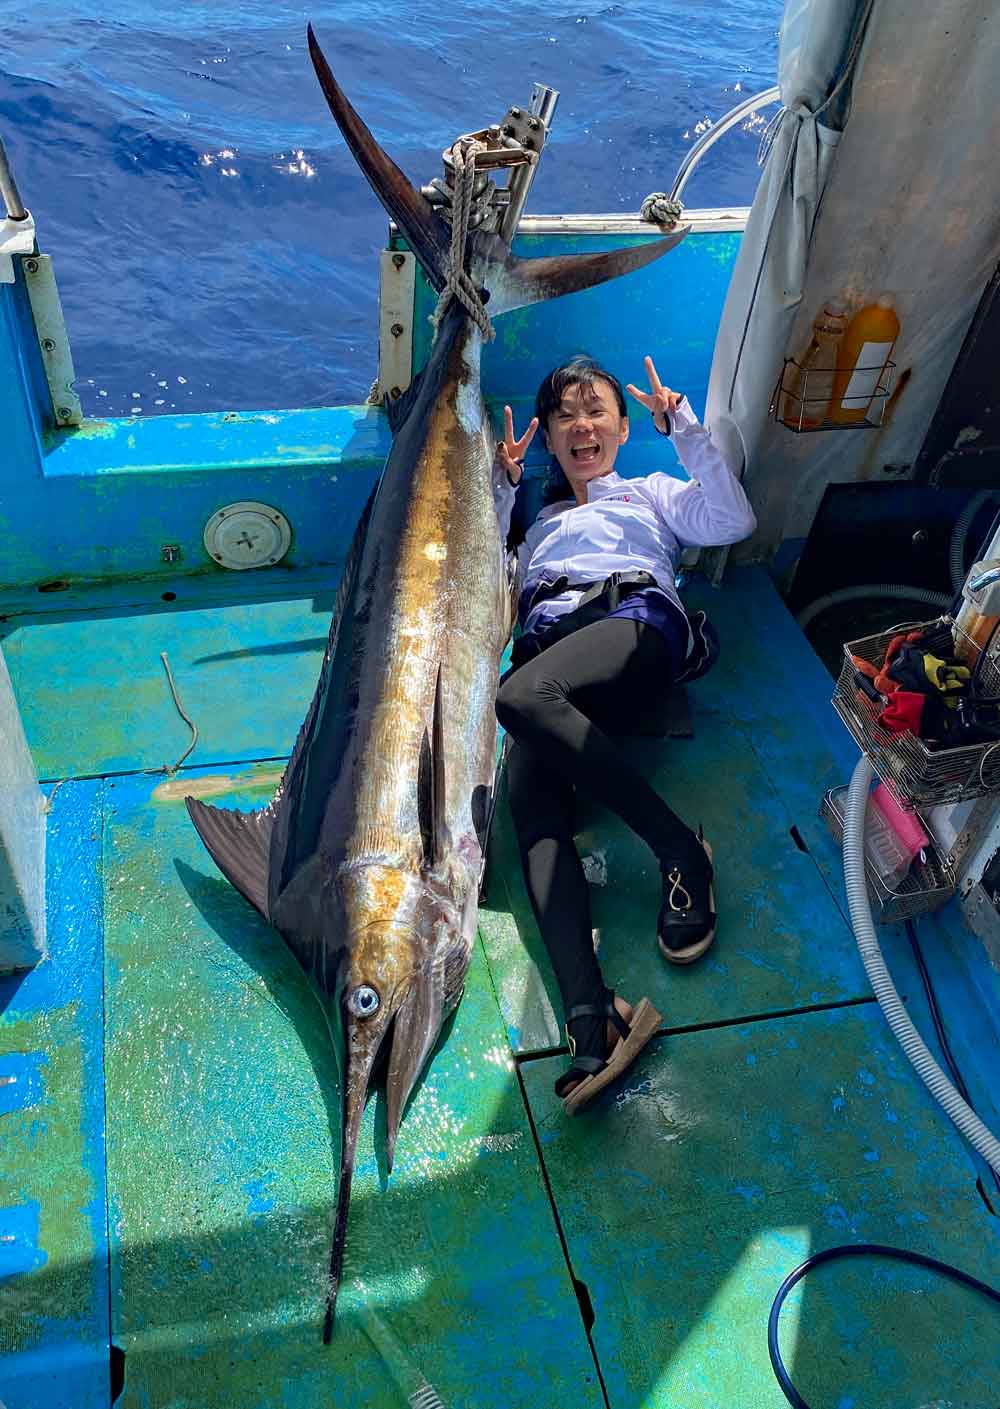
<point>593,1074</point>
<point>687,920</point>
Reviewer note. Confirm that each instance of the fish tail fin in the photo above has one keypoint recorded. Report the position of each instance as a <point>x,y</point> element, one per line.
<point>423,228</point>
<point>519,282</point>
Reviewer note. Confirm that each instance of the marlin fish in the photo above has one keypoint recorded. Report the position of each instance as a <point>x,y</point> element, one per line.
<point>368,860</point>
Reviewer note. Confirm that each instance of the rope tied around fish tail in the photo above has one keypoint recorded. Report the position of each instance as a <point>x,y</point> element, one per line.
<point>458,284</point>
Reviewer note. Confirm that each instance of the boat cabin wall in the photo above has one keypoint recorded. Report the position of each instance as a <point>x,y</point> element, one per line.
<point>121,505</point>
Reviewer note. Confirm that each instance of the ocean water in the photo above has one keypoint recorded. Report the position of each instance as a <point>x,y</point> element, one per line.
<point>215,244</point>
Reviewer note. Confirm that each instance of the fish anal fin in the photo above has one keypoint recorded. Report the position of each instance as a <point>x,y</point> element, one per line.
<point>240,845</point>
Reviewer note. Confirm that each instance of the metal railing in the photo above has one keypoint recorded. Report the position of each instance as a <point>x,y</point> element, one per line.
<point>8,189</point>
<point>717,130</point>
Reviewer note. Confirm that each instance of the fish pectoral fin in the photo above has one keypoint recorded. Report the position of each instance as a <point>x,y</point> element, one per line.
<point>524,281</point>
<point>430,785</point>
<point>240,845</point>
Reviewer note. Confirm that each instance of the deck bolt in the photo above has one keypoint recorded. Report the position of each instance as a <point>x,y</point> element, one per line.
<point>399,260</point>
<point>31,265</point>
<point>396,330</point>
<point>64,413</point>
<point>395,391</point>
<point>48,345</point>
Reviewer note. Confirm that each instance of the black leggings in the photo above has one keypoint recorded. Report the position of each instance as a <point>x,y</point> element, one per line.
<point>557,709</point>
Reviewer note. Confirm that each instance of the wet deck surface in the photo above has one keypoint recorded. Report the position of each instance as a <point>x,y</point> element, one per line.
<point>178,1106</point>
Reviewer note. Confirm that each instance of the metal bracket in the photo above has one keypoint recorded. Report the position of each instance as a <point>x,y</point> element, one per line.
<point>16,237</point>
<point>50,326</point>
<point>397,276</point>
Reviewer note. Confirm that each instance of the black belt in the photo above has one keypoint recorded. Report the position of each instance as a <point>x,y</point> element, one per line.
<point>634,581</point>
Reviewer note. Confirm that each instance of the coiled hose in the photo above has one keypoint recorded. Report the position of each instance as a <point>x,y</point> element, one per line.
<point>972,1128</point>
<point>872,589</point>
<point>956,549</point>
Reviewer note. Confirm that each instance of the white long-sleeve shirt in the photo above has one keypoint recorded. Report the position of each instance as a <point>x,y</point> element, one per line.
<point>634,524</point>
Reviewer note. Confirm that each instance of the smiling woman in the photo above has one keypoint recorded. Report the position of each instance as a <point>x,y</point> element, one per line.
<point>603,629</point>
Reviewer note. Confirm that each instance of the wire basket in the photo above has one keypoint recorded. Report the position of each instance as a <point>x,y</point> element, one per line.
<point>927,886</point>
<point>917,774</point>
<point>802,398</point>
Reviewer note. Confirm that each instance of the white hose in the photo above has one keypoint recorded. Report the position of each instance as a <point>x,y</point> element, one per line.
<point>912,1043</point>
<point>871,589</point>
<point>956,549</point>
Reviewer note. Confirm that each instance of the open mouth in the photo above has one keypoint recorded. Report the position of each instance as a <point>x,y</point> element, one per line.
<point>585,453</point>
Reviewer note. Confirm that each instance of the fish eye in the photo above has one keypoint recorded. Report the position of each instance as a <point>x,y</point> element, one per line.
<point>363,1001</point>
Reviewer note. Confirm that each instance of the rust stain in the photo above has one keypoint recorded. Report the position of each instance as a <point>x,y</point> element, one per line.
<point>871,462</point>
<point>893,401</point>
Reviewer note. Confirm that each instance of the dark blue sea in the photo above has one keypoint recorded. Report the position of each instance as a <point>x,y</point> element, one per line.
<point>215,245</point>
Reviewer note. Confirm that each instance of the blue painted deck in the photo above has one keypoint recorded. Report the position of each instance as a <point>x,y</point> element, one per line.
<point>773,1117</point>
<point>167,1089</point>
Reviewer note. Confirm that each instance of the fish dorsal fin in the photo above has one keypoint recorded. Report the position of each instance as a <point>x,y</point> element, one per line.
<point>430,784</point>
<point>240,845</point>
<point>288,788</point>
<point>398,409</point>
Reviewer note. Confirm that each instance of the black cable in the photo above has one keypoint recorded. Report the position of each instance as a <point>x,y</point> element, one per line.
<point>942,1036</point>
<point>851,1250</point>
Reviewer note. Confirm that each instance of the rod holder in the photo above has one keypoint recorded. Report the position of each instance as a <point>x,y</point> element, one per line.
<point>540,111</point>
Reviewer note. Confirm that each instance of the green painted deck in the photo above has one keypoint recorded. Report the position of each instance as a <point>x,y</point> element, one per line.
<point>183,1071</point>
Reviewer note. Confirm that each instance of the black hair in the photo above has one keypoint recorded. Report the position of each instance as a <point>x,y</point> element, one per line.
<point>578,371</point>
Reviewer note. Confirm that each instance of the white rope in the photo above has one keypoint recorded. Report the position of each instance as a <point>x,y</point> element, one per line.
<point>659,209</point>
<point>459,286</point>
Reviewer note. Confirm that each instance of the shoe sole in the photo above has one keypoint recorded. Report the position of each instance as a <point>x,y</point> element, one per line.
<point>643,1025</point>
<point>693,951</point>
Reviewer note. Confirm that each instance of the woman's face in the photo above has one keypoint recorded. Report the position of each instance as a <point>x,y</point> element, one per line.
<point>584,433</point>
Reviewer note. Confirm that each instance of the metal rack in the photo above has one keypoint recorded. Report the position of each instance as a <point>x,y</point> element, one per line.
<point>928,885</point>
<point>792,405</point>
<point>918,774</point>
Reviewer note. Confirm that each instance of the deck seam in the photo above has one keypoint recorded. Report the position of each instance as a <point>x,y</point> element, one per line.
<point>576,1281</point>
<point>538,1054</point>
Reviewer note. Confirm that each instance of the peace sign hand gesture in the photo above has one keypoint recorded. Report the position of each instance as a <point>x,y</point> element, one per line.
<point>659,399</point>
<point>511,452</point>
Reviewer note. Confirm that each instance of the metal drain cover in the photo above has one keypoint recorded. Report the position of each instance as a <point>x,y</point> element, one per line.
<point>247,535</point>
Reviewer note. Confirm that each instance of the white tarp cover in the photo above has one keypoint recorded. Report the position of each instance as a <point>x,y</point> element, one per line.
<point>907,199</point>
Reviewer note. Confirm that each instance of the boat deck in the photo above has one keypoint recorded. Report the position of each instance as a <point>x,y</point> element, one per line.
<point>171,1132</point>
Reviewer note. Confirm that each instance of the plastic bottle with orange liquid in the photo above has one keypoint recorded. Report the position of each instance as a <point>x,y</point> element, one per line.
<point>865,349</point>
<point>808,383</point>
